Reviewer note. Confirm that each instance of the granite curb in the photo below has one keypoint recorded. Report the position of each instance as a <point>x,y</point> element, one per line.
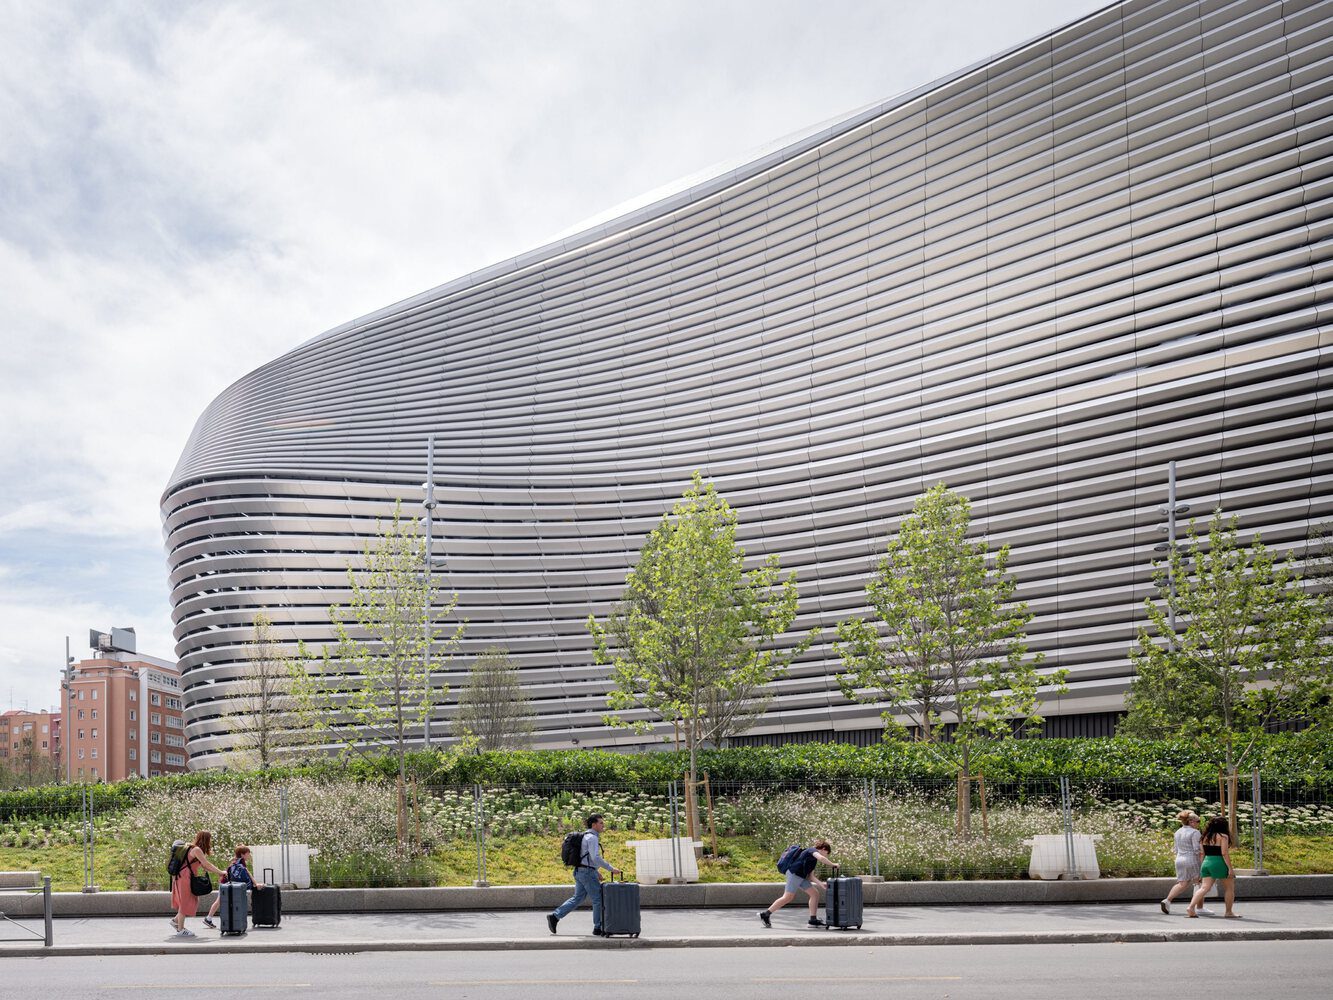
<point>719,894</point>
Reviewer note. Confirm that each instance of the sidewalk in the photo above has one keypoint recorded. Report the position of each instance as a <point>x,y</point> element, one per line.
<point>679,928</point>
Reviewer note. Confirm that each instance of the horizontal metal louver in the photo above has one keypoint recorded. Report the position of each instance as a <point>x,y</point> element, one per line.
<point>1039,280</point>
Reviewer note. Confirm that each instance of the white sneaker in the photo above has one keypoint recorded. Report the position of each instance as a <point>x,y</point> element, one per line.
<point>1203,909</point>
<point>185,932</point>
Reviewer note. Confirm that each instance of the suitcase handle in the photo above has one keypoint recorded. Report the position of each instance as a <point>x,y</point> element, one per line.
<point>268,875</point>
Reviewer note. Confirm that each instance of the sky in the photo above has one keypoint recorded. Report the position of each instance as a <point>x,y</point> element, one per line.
<point>188,190</point>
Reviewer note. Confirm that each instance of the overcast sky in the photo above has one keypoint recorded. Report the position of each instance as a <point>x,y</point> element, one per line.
<point>190,189</point>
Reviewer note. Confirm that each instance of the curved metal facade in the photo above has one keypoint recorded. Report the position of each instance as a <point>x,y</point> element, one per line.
<point>1039,280</point>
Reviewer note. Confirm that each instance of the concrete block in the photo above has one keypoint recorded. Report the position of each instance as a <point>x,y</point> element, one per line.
<point>20,880</point>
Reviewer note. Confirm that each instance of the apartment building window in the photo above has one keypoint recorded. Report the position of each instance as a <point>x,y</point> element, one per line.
<point>174,721</point>
<point>134,716</point>
<point>94,694</point>
<point>44,744</point>
<point>155,698</point>
<point>174,703</point>
<point>134,696</point>
<point>80,736</point>
<point>134,734</point>
<point>47,729</point>
<point>155,718</point>
<point>80,769</point>
<point>155,736</point>
<point>175,741</point>
<point>94,753</point>
<point>94,734</point>
<point>80,699</point>
<point>134,754</point>
<point>94,772</point>
<point>80,715</point>
<point>154,773</point>
<point>94,713</point>
<point>80,756</point>
<point>176,759</point>
<point>155,756</point>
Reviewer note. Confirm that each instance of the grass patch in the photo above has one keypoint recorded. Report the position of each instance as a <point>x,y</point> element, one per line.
<point>65,865</point>
<point>535,860</point>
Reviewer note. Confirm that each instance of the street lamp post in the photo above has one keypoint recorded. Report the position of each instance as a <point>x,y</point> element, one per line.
<point>1169,546</point>
<point>429,504</point>
<point>67,685</point>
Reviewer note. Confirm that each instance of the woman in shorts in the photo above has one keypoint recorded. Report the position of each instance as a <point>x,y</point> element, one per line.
<point>1216,866</point>
<point>1189,856</point>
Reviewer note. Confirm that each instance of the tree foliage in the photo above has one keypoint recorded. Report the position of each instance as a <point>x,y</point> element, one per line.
<point>1247,652</point>
<point>694,639</point>
<point>493,708</point>
<point>264,717</point>
<point>950,642</point>
<point>28,765</point>
<point>375,684</point>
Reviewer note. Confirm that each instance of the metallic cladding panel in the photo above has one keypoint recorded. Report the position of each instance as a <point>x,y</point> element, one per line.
<point>1039,280</point>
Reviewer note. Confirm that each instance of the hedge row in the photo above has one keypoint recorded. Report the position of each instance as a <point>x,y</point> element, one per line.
<point>1285,760</point>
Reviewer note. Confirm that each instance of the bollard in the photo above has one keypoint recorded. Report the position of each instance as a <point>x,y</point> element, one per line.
<point>46,910</point>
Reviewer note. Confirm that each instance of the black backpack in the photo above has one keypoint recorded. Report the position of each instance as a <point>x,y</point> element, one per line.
<point>571,849</point>
<point>176,859</point>
<point>791,858</point>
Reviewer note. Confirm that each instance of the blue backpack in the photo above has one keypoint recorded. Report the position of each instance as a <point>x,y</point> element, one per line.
<point>790,858</point>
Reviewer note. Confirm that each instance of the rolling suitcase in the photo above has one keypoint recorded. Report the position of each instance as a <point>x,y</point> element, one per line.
<point>233,908</point>
<point>844,903</point>
<point>267,903</point>
<point>620,907</point>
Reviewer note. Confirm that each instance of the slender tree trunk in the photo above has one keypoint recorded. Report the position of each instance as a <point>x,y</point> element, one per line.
<point>1229,801</point>
<point>965,793</point>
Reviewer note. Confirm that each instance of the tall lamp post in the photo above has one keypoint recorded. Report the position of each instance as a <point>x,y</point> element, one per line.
<point>1171,509</point>
<point>429,503</point>
<point>67,685</point>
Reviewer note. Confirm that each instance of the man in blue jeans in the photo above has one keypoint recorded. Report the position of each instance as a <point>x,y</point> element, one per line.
<point>587,877</point>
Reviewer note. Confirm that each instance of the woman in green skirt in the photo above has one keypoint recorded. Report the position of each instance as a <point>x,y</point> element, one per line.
<point>1216,866</point>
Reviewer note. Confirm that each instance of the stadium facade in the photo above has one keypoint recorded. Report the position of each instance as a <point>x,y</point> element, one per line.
<point>1039,280</point>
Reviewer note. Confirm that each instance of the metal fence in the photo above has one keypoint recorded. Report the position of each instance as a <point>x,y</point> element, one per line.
<point>344,834</point>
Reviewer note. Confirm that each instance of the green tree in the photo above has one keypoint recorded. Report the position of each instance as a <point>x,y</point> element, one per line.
<point>695,632</point>
<point>264,716</point>
<point>32,766</point>
<point>494,709</point>
<point>950,643</point>
<point>1246,651</point>
<point>375,684</point>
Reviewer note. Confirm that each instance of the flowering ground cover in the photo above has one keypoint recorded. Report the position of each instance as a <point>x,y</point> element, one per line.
<point>354,826</point>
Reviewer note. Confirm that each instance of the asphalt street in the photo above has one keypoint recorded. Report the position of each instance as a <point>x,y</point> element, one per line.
<point>1023,972</point>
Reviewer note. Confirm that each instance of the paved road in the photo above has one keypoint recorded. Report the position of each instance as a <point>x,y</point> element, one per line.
<point>1272,969</point>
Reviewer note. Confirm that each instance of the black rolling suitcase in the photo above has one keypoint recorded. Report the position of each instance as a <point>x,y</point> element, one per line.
<point>267,904</point>
<point>233,908</point>
<point>844,903</point>
<point>620,907</point>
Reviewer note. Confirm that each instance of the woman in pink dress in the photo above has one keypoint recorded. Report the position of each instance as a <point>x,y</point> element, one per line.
<point>182,896</point>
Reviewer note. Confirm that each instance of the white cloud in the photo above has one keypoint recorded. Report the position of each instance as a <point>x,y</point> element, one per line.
<point>188,190</point>
<point>32,641</point>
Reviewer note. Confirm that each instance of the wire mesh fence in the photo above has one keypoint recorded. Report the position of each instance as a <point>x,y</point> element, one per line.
<point>330,833</point>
